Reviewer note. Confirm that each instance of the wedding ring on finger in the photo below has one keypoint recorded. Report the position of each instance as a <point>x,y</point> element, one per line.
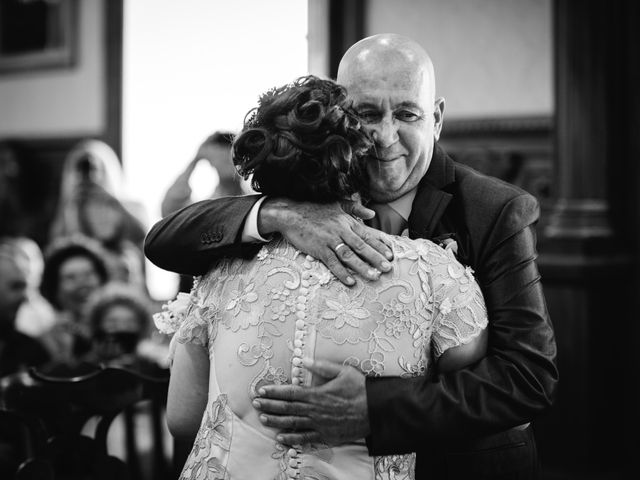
<point>338,247</point>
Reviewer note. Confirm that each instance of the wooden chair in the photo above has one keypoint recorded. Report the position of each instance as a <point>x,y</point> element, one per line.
<point>54,410</point>
<point>21,452</point>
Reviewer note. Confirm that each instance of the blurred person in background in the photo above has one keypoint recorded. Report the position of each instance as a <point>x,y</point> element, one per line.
<point>216,150</point>
<point>35,315</point>
<point>74,268</point>
<point>17,350</point>
<point>120,319</point>
<point>92,202</point>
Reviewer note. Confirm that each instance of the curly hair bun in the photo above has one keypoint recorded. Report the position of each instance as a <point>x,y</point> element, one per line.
<point>303,141</point>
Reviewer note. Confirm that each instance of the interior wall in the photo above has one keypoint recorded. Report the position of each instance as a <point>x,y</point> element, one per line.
<point>61,102</point>
<point>492,58</point>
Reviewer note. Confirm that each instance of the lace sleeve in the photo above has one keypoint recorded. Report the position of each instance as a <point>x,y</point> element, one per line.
<point>186,319</point>
<point>460,311</point>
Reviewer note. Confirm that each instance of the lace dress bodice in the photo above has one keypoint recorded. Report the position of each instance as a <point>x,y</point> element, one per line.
<point>259,318</point>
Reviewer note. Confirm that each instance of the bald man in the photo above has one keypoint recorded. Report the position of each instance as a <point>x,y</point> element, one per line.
<point>17,350</point>
<point>473,423</point>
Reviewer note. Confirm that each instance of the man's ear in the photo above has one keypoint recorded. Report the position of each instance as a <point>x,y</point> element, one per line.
<point>438,113</point>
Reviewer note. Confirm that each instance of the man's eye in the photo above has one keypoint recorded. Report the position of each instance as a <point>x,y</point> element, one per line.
<point>407,116</point>
<point>369,116</point>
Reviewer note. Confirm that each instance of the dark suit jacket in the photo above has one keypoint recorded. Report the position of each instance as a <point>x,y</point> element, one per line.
<point>460,422</point>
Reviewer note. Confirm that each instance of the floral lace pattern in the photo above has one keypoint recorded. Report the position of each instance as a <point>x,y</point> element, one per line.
<point>396,467</point>
<point>260,318</point>
<point>212,444</point>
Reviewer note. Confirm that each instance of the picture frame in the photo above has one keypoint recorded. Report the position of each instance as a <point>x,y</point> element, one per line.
<point>37,34</point>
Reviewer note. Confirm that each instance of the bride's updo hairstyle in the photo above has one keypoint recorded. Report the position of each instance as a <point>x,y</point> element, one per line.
<point>303,141</point>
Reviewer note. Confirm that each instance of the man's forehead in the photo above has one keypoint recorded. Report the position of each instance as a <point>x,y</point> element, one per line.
<point>388,66</point>
<point>394,93</point>
<point>405,79</point>
<point>393,101</point>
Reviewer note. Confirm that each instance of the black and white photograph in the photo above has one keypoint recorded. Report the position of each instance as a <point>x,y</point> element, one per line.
<point>319,239</point>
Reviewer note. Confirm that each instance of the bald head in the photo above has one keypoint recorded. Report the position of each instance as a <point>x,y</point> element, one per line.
<point>13,283</point>
<point>378,57</point>
<point>389,78</point>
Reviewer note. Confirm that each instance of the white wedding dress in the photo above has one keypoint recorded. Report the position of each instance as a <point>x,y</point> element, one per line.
<point>258,318</point>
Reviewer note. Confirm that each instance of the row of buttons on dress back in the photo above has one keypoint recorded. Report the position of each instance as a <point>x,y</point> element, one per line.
<point>297,369</point>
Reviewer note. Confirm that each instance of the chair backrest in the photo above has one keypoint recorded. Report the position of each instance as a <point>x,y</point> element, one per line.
<point>56,411</point>
<point>22,452</point>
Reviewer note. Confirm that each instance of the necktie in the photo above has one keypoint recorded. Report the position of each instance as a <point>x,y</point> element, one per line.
<point>387,219</point>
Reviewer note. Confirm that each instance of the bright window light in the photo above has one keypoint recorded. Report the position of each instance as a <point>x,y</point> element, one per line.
<point>192,67</point>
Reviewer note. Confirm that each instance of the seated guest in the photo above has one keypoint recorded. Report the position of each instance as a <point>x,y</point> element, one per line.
<point>17,350</point>
<point>119,318</point>
<point>74,268</point>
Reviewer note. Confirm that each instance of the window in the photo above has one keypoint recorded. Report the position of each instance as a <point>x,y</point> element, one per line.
<point>191,68</point>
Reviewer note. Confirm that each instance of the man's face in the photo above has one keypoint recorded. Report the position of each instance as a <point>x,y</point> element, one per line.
<point>396,106</point>
<point>13,290</point>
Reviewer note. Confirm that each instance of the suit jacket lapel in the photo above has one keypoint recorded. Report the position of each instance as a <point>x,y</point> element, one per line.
<point>431,201</point>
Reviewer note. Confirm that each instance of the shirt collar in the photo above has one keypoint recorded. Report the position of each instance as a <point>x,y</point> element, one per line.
<point>402,205</point>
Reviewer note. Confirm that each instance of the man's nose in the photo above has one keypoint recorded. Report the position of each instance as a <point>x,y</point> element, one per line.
<point>385,133</point>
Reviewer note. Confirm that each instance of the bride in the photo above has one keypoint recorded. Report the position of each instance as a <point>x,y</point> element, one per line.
<point>256,321</point>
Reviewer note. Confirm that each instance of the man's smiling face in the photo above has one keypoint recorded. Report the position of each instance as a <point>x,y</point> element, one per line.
<point>393,94</point>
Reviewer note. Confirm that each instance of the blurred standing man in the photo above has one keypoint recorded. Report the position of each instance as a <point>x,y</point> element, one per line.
<point>217,150</point>
<point>472,423</point>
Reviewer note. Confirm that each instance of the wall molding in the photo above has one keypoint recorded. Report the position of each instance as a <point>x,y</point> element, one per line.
<point>500,126</point>
<point>346,27</point>
<point>114,15</point>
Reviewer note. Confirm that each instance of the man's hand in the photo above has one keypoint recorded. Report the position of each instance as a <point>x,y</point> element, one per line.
<point>326,232</point>
<point>333,413</point>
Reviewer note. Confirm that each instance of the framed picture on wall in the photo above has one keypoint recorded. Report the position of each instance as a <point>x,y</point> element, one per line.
<point>37,34</point>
